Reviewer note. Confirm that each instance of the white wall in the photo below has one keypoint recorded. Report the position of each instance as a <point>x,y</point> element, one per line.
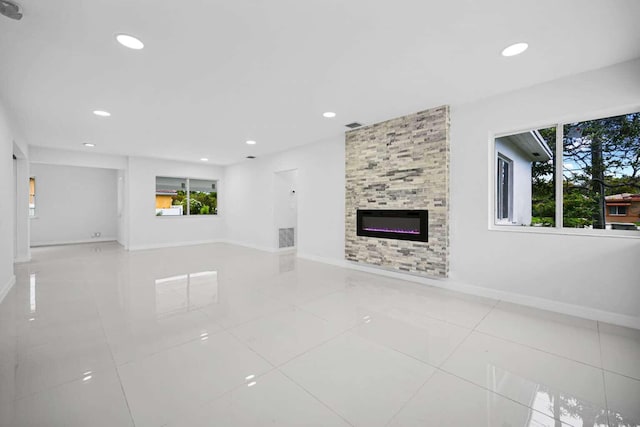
<point>598,273</point>
<point>85,158</point>
<point>285,203</point>
<point>122,206</point>
<point>147,230</point>
<point>73,203</point>
<point>250,193</point>
<point>8,205</point>
<point>22,223</point>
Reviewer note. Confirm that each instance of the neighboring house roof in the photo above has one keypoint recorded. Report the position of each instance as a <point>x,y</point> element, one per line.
<point>532,144</point>
<point>622,199</point>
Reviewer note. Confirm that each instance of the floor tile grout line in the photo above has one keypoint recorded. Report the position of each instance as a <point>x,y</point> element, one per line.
<point>609,371</point>
<point>443,369</point>
<point>467,336</point>
<point>537,349</point>
<point>602,371</point>
<point>446,359</point>
<point>495,392</point>
<point>60,384</point>
<point>315,397</point>
<point>475,327</point>
<point>225,393</point>
<point>359,324</point>
<point>317,316</point>
<point>115,367</point>
<point>154,353</point>
<point>425,314</point>
<point>415,393</point>
<point>316,298</point>
<point>436,369</point>
<point>244,322</point>
<point>350,330</point>
<point>243,343</point>
<point>320,344</point>
<point>440,368</point>
<point>449,322</point>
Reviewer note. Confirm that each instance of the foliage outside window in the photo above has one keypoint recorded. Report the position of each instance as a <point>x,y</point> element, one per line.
<point>185,196</point>
<point>32,196</point>
<point>598,165</point>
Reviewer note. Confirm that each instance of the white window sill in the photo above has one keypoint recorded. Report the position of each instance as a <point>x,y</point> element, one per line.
<point>187,216</point>
<point>514,228</point>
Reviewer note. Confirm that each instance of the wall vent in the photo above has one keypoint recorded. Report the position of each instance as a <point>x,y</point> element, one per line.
<point>251,157</point>
<point>354,125</point>
<point>286,238</point>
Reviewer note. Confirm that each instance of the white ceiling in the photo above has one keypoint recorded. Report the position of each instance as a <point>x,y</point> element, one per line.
<point>216,73</point>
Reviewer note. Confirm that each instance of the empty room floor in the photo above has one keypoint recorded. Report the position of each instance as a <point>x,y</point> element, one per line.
<point>220,335</point>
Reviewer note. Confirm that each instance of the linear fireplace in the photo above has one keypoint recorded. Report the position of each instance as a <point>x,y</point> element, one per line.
<point>393,224</point>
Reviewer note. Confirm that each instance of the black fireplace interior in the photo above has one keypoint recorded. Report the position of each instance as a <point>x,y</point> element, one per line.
<point>393,224</point>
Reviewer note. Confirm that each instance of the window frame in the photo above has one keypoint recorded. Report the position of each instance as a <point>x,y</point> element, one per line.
<point>32,211</point>
<point>188,195</point>
<point>617,208</point>
<point>494,225</point>
<point>501,158</point>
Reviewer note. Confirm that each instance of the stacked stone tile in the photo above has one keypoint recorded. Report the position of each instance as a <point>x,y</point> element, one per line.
<point>402,163</point>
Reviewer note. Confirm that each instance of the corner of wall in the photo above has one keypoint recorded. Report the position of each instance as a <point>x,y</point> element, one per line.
<point>7,287</point>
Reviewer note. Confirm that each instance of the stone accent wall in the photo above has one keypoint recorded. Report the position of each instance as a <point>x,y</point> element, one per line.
<point>402,163</point>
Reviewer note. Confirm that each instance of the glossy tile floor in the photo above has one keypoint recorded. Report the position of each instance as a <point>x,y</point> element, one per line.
<point>218,335</point>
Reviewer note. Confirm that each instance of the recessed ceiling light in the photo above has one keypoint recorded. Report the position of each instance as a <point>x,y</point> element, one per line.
<point>129,41</point>
<point>102,113</point>
<point>514,49</point>
<point>204,159</point>
<point>329,114</point>
<point>250,142</point>
<point>89,144</point>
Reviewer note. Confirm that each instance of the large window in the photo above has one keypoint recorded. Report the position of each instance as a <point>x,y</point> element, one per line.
<point>185,196</point>
<point>32,196</point>
<point>583,175</point>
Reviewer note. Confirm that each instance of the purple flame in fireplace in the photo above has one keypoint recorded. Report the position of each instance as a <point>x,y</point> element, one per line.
<point>390,230</point>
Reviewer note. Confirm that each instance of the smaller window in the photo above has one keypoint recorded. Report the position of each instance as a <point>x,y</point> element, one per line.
<point>504,186</point>
<point>618,210</point>
<point>185,196</point>
<point>32,196</point>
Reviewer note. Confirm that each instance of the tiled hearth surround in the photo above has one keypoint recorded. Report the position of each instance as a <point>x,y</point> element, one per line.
<point>402,163</point>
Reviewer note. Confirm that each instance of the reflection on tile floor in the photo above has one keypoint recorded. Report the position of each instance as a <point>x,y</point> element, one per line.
<point>223,335</point>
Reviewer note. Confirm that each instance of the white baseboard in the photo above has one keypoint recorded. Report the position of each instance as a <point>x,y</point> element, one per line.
<point>288,250</point>
<point>172,244</point>
<point>72,242</point>
<point>332,261</point>
<point>22,259</point>
<point>526,300</point>
<point>205,242</point>
<point>7,287</point>
<point>249,245</point>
